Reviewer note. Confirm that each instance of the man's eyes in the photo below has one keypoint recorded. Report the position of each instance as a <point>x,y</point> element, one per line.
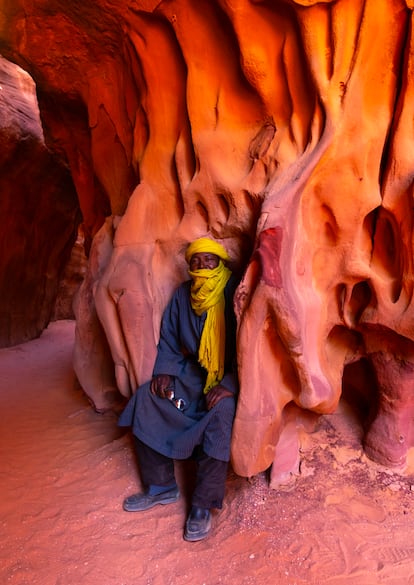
<point>208,259</point>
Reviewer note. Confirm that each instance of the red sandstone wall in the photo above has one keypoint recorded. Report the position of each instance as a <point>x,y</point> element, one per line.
<point>39,210</point>
<point>283,129</point>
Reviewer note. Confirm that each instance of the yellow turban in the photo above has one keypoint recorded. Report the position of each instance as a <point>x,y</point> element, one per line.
<point>206,245</point>
<point>207,294</point>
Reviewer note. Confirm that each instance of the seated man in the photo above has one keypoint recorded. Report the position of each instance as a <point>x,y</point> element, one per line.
<point>188,407</point>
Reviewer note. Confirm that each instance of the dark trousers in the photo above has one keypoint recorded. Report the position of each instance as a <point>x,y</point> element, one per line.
<point>156,469</point>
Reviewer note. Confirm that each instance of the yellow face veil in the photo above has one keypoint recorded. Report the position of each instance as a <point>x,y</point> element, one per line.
<point>207,294</point>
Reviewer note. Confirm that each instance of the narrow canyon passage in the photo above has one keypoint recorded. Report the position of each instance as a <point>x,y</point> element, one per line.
<point>65,471</point>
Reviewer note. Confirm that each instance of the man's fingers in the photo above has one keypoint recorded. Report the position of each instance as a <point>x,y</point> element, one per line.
<point>159,385</point>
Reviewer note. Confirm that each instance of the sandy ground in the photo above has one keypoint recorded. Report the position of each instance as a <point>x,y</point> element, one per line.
<point>66,469</point>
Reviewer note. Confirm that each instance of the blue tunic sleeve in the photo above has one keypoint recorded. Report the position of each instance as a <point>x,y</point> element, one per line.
<point>170,358</point>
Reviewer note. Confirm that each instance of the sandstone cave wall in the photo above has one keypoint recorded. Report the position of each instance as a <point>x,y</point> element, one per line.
<point>285,130</point>
<point>40,211</point>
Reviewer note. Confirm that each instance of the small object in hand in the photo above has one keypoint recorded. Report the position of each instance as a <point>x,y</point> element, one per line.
<point>179,403</point>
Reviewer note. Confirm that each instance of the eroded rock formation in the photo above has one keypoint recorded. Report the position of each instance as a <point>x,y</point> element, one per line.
<point>40,212</point>
<point>283,129</point>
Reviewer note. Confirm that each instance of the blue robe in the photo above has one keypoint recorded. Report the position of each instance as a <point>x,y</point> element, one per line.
<point>156,421</point>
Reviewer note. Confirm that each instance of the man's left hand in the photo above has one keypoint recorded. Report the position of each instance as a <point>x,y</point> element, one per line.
<point>215,395</point>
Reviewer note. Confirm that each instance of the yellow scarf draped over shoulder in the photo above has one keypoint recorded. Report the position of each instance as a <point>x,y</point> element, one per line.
<point>207,294</point>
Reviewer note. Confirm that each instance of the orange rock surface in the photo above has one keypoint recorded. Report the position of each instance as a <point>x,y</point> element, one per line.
<point>282,129</point>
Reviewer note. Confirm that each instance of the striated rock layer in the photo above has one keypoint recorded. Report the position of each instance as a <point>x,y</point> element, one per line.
<point>283,129</point>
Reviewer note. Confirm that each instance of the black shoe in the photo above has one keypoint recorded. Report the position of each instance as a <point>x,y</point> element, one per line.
<point>198,524</point>
<point>140,502</point>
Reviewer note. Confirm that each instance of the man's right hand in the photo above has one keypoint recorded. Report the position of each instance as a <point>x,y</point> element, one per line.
<point>159,384</point>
